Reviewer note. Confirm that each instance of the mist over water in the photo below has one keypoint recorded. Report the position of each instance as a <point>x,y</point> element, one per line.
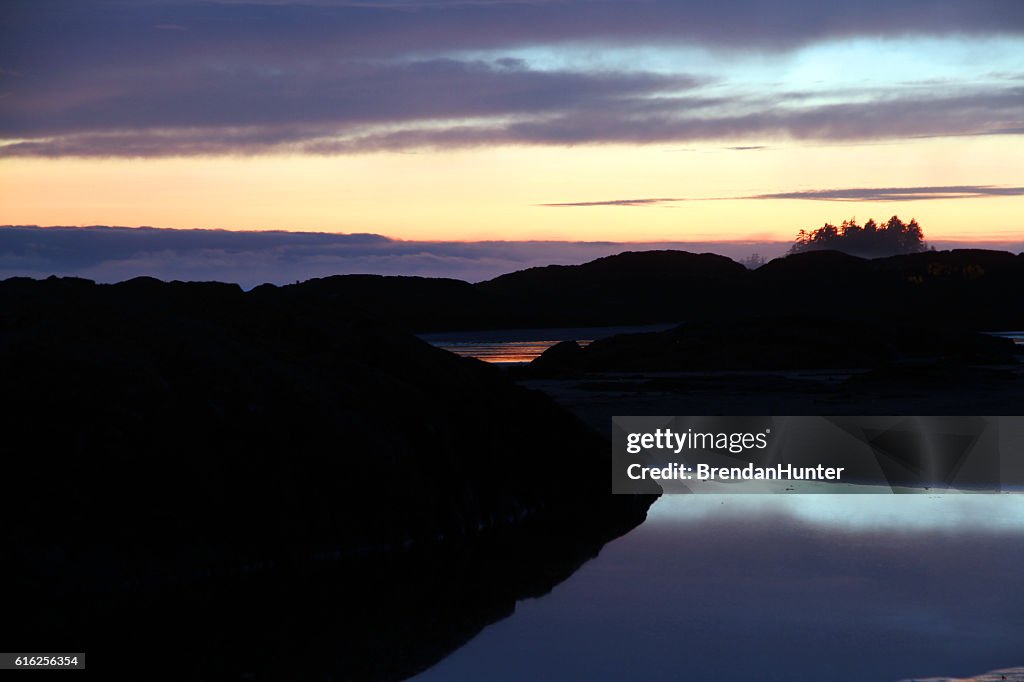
<point>810,587</point>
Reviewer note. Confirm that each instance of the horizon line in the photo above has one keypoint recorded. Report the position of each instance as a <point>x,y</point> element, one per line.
<point>1017,237</point>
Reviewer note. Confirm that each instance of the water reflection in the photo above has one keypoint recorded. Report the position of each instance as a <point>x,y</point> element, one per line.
<point>504,352</point>
<point>952,512</point>
<point>1016,337</point>
<point>523,345</point>
<point>875,587</point>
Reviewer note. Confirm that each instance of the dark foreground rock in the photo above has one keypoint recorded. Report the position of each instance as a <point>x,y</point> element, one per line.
<point>786,343</point>
<point>190,458</point>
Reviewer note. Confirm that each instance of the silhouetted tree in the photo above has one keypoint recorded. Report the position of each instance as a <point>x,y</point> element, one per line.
<point>754,261</point>
<point>871,240</point>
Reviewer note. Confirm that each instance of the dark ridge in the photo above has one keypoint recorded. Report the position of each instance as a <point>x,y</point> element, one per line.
<point>416,303</point>
<point>628,288</point>
<point>787,343</point>
<point>974,288</point>
<point>629,267</point>
<point>185,448</point>
<point>822,264</point>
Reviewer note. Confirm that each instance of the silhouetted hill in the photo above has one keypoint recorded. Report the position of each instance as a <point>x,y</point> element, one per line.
<point>813,265</point>
<point>820,309</point>
<point>825,309</point>
<point>627,288</point>
<point>163,435</point>
<point>613,275</point>
<point>417,303</point>
<point>970,288</point>
<point>974,288</point>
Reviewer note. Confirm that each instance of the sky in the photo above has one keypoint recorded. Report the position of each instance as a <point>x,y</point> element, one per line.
<point>514,120</point>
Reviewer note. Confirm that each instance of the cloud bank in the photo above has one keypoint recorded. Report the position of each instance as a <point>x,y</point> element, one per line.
<point>113,254</point>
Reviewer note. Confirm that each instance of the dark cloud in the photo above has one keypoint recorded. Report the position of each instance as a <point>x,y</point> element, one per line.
<point>272,29</point>
<point>849,194</point>
<point>618,202</point>
<point>481,104</point>
<point>257,105</point>
<point>609,108</point>
<point>182,77</point>
<point>899,193</point>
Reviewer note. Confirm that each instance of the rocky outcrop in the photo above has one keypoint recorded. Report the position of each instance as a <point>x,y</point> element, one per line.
<point>782,344</point>
<point>169,436</point>
<point>966,288</point>
<point>413,303</point>
<point>628,288</point>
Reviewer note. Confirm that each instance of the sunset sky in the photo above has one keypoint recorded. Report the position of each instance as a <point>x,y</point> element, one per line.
<point>514,120</point>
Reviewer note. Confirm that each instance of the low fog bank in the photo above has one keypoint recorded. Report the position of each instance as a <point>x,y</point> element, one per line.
<point>113,254</point>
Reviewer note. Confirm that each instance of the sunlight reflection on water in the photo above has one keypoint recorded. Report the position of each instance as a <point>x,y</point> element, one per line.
<point>504,352</point>
<point>523,345</point>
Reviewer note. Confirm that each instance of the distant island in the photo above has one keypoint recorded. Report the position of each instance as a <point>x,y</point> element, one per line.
<point>971,289</point>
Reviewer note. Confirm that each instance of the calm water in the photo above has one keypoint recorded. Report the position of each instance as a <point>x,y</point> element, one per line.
<point>1016,337</point>
<point>523,345</point>
<point>811,587</point>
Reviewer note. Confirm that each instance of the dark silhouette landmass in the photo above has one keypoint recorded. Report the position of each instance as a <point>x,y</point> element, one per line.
<point>788,366</point>
<point>813,333</point>
<point>629,288</point>
<point>782,344</point>
<point>624,289</point>
<point>972,289</point>
<point>247,474</point>
<point>828,309</point>
<point>415,303</point>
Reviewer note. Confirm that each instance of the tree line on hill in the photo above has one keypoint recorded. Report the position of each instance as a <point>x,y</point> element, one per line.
<point>869,240</point>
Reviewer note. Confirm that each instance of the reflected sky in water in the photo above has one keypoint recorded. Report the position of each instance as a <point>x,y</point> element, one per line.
<point>506,352</point>
<point>949,511</point>
<point>524,345</point>
<point>808,587</point>
<point>504,346</point>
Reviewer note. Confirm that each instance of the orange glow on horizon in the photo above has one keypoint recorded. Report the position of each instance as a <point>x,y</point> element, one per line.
<point>497,193</point>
